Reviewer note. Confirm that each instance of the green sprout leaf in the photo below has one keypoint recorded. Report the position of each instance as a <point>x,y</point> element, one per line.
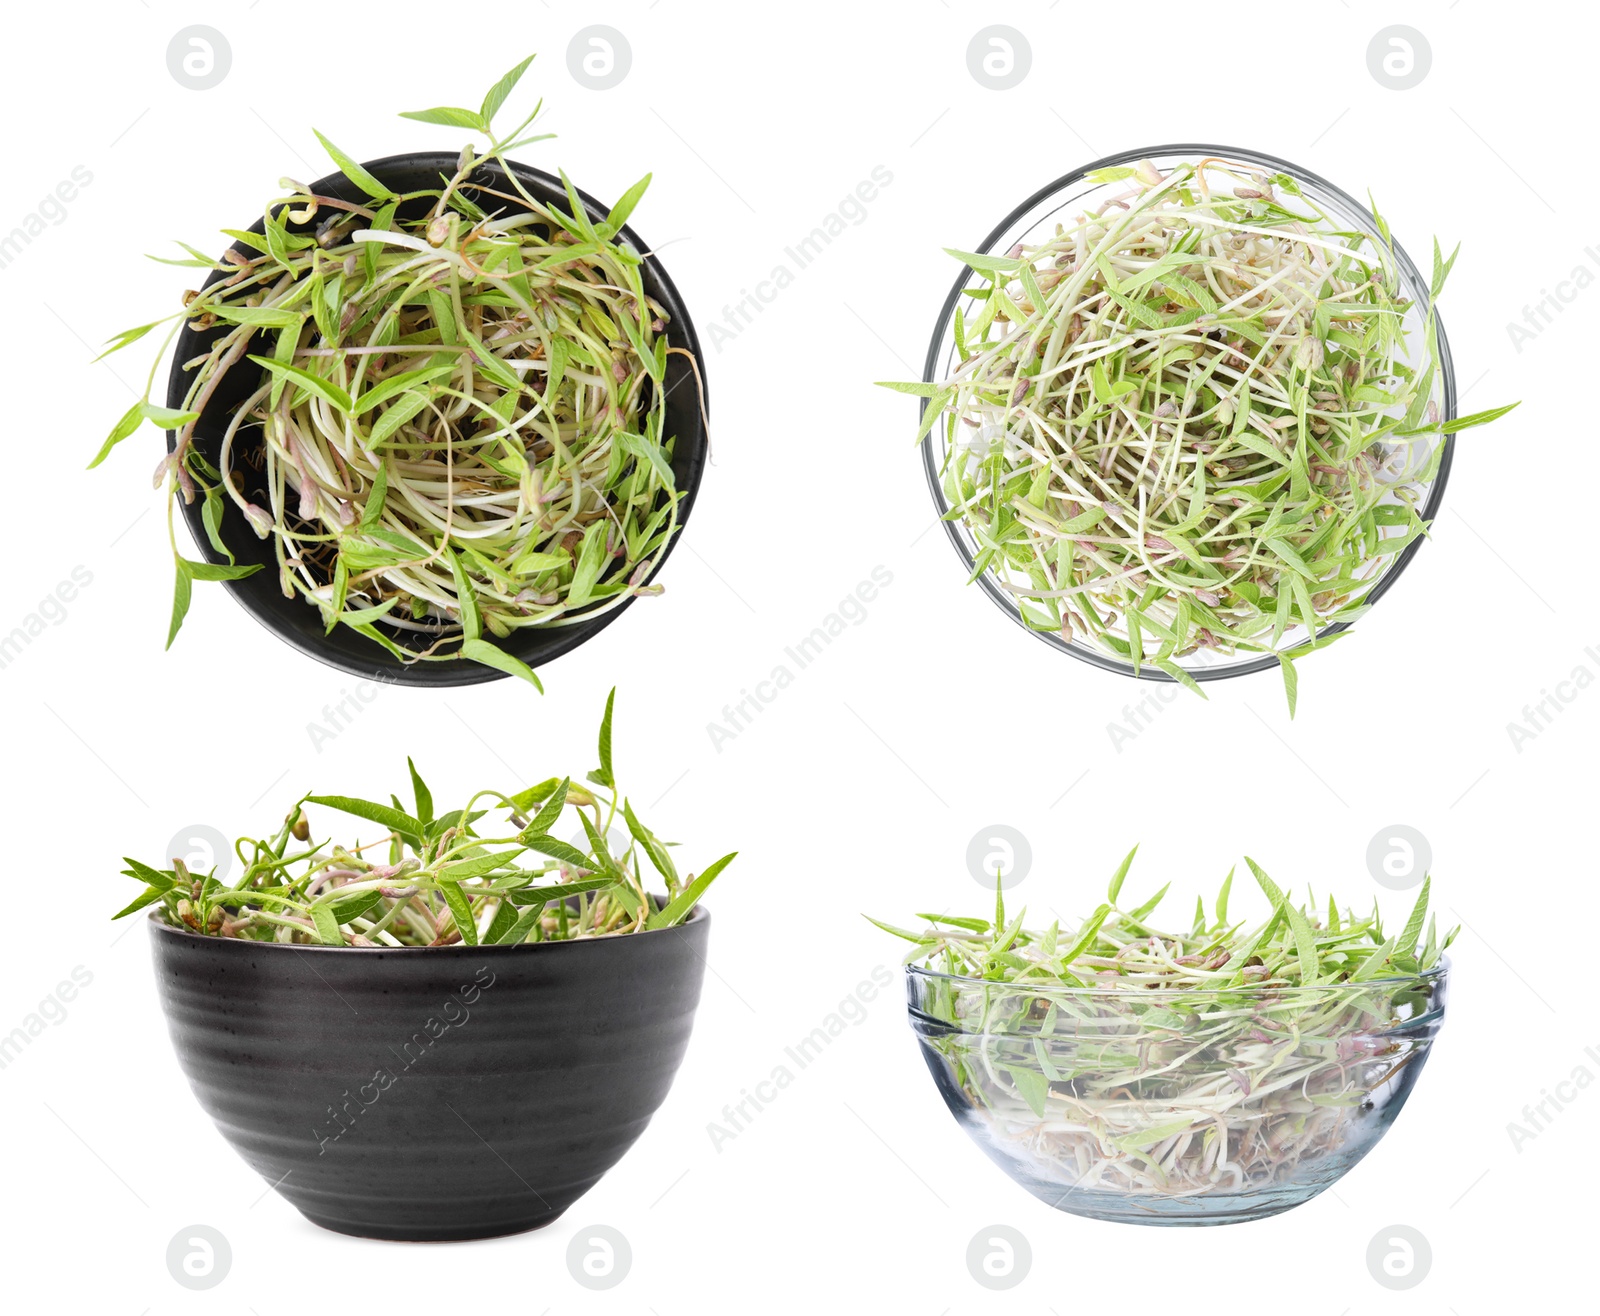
<point>496,95</point>
<point>1291,682</point>
<point>182,595</point>
<point>395,820</point>
<point>680,908</point>
<point>354,172</point>
<point>460,911</point>
<point>449,117</point>
<point>327,925</point>
<point>550,811</point>
<point>915,388</point>
<point>490,655</point>
<point>624,207</point>
<point>314,384</point>
<point>604,776</point>
<point>557,849</point>
<point>142,410</point>
<point>127,337</point>
<point>422,795</point>
<point>984,264</point>
<point>660,858</point>
<point>1477,418</point>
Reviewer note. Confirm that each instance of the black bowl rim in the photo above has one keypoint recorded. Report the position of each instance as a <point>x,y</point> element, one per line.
<point>699,915</point>
<point>1430,510</point>
<point>381,666</point>
<point>1439,973</point>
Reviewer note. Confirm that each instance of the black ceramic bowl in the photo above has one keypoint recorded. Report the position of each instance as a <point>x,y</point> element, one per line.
<point>432,1093</point>
<point>295,620</point>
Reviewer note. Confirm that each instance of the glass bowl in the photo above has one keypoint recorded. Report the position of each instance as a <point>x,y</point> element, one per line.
<point>1173,1107</point>
<point>1075,193</point>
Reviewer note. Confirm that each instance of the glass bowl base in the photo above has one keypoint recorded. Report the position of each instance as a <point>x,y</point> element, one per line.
<point>1222,1207</point>
<point>1157,1210</point>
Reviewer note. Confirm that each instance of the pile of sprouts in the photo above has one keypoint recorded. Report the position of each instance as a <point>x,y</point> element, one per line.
<point>427,879</point>
<point>1221,1059</point>
<point>456,410</point>
<point>1191,423</point>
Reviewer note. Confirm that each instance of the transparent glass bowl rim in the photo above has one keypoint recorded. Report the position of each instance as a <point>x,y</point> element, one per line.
<point>1437,974</point>
<point>1410,276</point>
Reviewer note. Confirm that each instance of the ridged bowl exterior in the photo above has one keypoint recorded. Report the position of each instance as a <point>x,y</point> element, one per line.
<point>432,1093</point>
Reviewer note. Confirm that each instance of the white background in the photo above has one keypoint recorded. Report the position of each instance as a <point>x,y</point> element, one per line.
<point>860,786</point>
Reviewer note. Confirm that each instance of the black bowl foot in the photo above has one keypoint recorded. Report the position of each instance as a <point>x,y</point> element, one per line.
<point>456,1232</point>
